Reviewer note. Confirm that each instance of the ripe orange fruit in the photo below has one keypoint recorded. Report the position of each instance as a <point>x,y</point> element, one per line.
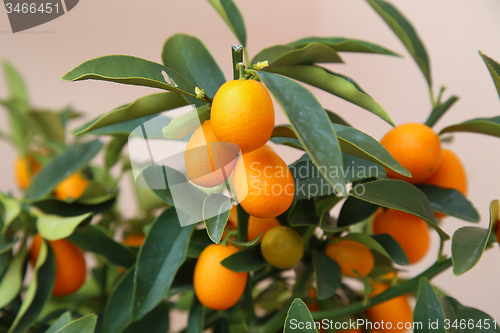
<point>70,265</point>
<point>71,187</point>
<point>134,240</point>
<point>243,113</point>
<point>282,247</point>
<point>263,184</point>
<point>256,226</point>
<point>217,287</point>
<point>393,311</point>
<point>416,147</point>
<point>411,232</point>
<point>206,157</point>
<point>351,255</point>
<point>24,169</point>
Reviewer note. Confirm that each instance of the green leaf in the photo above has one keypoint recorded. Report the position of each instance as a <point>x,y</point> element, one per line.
<point>463,314</point>
<point>142,107</point>
<point>399,195</point>
<point>52,227</point>
<point>83,325</point>
<point>468,243</point>
<point>380,244</point>
<point>62,321</point>
<point>354,211</point>
<point>450,202</point>
<point>49,124</point>
<point>216,209</point>
<point>405,32</point>
<point>244,245</point>
<point>196,317</point>
<point>488,126</point>
<point>38,291</point>
<point>337,84</point>
<point>15,84</point>
<point>93,239</point>
<point>11,210</point>
<point>188,56</point>
<point>440,110</point>
<point>283,55</point>
<point>155,321</point>
<point>298,311</point>
<point>428,309</point>
<point>183,280</point>
<point>310,123</point>
<point>61,167</point>
<point>66,209</point>
<point>186,123</point>
<point>392,247</point>
<point>232,16</point>
<point>248,260</point>
<point>20,125</point>
<point>116,315</point>
<point>198,242</point>
<point>114,150</point>
<point>11,282</point>
<point>131,70</point>
<point>494,69</point>
<point>328,275</point>
<point>342,44</point>
<point>161,255</point>
<point>367,287</point>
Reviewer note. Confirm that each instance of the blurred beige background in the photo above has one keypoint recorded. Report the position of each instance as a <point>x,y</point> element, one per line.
<point>453,32</point>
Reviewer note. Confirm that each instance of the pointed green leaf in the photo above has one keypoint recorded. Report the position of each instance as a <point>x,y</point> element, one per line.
<point>93,239</point>
<point>248,260</point>
<point>467,314</point>
<point>488,126</point>
<point>428,309</point>
<point>155,321</point>
<point>117,310</point>
<point>15,84</point>
<point>405,32</point>
<point>440,110</point>
<point>311,125</point>
<point>11,209</point>
<point>216,209</point>
<point>131,70</point>
<point>468,243</point>
<point>52,227</point>
<point>354,211</point>
<point>337,84</point>
<point>493,68</point>
<point>161,255</point>
<point>283,55</point>
<point>188,56</point>
<point>385,245</point>
<point>328,275</point>
<point>11,282</point>
<point>196,317</point>
<point>61,167</point>
<point>450,202</point>
<point>66,209</point>
<point>62,321</point>
<point>83,325</point>
<point>298,313</point>
<point>342,44</point>
<point>186,123</point>
<point>48,124</point>
<point>229,12</point>
<point>198,242</point>
<point>114,150</point>
<point>367,287</point>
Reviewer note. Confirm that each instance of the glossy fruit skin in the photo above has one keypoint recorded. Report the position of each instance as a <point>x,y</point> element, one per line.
<point>282,247</point>
<point>217,287</point>
<point>256,225</point>
<point>411,232</point>
<point>135,240</point>
<point>417,148</point>
<point>71,269</point>
<point>71,187</point>
<point>396,310</point>
<point>351,255</point>
<point>263,184</point>
<point>206,158</point>
<point>243,113</point>
<point>24,170</point>
<point>449,174</point>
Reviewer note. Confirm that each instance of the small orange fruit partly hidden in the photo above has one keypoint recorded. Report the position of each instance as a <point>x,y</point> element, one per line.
<point>416,147</point>
<point>208,161</point>
<point>243,113</point>
<point>411,232</point>
<point>393,311</point>
<point>70,265</point>
<point>351,255</point>
<point>135,240</point>
<point>217,287</point>
<point>263,184</point>
<point>256,226</point>
<point>71,187</point>
<point>24,169</point>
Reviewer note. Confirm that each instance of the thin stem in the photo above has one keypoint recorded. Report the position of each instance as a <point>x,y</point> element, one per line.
<point>241,68</point>
<point>433,102</point>
<point>247,58</point>
<point>242,233</point>
<point>237,53</point>
<point>250,309</point>
<point>440,95</point>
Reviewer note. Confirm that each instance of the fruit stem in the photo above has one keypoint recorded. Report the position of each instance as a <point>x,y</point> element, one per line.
<point>242,233</point>
<point>237,53</point>
<point>249,305</point>
<point>241,69</point>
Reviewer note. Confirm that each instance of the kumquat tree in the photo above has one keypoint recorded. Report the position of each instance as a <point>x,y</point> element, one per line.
<point>225,230</point>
